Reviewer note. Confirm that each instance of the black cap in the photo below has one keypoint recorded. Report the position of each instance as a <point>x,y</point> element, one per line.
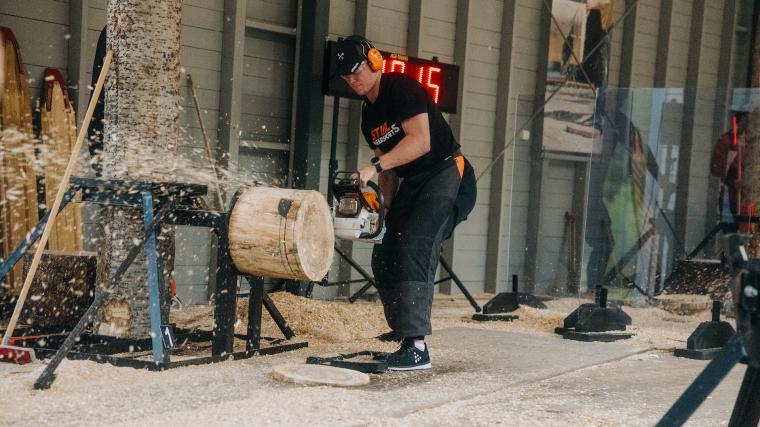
<point>350,53</point>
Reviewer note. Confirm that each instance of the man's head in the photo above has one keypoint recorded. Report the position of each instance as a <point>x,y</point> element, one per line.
<point>358,63</point>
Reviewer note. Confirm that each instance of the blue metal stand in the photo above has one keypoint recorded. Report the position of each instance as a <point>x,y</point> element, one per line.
<point>154,294</point>
<point>175,204</point>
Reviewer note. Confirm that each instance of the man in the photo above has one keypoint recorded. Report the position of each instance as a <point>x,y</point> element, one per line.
<point>413,145</point>
<point>596,45</point>
<point>726,163</point>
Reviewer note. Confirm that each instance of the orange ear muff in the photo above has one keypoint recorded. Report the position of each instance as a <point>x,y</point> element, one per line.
<point>375,59</point>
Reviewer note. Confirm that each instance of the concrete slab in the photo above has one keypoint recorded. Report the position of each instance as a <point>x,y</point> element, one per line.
<point>635,391</point>
<point>480,377</point>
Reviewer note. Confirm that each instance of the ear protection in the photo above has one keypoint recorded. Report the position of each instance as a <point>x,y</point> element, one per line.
<point>374,57</point>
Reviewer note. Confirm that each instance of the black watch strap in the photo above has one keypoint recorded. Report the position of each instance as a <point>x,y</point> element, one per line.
<point>376,161</point>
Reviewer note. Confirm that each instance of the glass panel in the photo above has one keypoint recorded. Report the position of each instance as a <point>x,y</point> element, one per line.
<point>629,234</point>
<point>625,209</point>
<point>666,176</point>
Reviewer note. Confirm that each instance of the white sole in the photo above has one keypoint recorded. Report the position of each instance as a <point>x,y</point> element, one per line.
<point>411,368</point>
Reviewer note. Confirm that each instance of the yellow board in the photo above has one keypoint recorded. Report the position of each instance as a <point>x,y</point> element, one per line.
<point>18,186</point>
<point>58,136</point>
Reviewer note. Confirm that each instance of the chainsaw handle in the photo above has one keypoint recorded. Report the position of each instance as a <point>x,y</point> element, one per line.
<point>381,209</point>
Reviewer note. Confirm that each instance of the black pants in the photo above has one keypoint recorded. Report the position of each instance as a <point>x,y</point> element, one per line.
<point>423,214</point>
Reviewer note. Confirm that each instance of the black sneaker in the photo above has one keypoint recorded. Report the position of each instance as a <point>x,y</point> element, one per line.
<point>409,358</point>
<point>381,356</point>
<point>389,336</point>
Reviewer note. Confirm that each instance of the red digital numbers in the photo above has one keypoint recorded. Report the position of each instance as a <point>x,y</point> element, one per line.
<point>429,82</point>
<point>428,76</point>
<point>396,66</point>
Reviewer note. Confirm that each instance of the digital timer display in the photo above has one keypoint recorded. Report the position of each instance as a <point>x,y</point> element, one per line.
<point>439,79</point>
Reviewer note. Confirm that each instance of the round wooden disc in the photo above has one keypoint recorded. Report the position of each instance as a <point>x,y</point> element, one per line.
<point>319,375</point>
<point>282,233</point>
<point>314,237</point>
<point>684,304</point>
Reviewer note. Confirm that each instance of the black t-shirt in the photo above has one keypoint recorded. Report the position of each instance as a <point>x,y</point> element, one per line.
<point>400,98</point>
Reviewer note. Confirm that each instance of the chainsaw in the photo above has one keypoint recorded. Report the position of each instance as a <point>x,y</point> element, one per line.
<point>358,215</point>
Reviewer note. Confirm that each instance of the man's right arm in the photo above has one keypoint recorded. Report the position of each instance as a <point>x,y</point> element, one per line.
<point>388,182</point>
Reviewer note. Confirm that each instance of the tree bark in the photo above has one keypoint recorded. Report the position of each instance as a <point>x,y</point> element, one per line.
<point>750,191</point>
<point>141,133</point>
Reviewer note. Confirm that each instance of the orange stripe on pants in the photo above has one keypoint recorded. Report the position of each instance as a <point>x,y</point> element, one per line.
<point>460,165</point>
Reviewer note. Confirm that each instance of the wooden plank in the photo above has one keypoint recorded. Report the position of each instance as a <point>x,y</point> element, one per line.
<point>48,11</point>
<point>206,4</point>
<point>43,44</point>
<point>201,59</point>
<point>415,28</point>
<point>258,105</point>
<point>96,17</point>
<point>201,17</point>
<point>78,61</point>
<point>201,38</point>
<point>231,87</point>
<point>686,229</point>
<point>58,137</point>
<point>282,12</point>
<point>18,202</point>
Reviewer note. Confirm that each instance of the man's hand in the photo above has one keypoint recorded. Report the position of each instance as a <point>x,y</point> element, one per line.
<point>365,174</point>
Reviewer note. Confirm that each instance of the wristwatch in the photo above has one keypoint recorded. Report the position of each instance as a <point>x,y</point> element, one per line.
<point>376,162</point>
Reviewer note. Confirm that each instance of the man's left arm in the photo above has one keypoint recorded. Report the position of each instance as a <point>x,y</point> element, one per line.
<point>414,145</point>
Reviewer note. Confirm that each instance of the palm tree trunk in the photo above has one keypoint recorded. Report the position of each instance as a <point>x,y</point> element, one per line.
<point>141,133</point>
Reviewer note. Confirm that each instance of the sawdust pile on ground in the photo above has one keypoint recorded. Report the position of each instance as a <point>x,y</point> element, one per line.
<point>329,321</point>
<point>657,328</point>
<point>653,327</point>
<point>326,321</point>
<point>542,320</point>
<point>340,322</point>
<point>195,317</point>
<point>452,312</point>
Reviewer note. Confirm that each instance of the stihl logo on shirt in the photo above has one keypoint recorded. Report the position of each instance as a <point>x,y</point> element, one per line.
<point>383,133</point>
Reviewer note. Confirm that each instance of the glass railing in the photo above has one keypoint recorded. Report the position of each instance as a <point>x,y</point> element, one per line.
<point>634,182</point>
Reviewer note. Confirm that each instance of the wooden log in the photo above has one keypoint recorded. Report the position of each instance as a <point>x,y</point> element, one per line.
<point>281,233</point>
<point>58,135</point>
<point>18,185</point>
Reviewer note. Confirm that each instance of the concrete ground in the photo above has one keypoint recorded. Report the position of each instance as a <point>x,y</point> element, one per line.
<point>482,375</point>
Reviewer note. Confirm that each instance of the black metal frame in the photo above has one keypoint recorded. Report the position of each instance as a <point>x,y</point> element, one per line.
<point>348,361</point>
<point>104,349</point>
<point>177,205</point>
<point>743,346</point>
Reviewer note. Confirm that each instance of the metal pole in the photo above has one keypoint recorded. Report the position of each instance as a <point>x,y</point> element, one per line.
<point>333,165</point>
<point>459,284</point>
<point>747,408</point>
<point>154,294</point>
<point>225,294</point>
<point>255,301</point>
<point>277,316</point>
<point>705,383</point>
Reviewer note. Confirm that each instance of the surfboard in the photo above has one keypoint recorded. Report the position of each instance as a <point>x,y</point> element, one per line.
<point>18,186</point>
<point>58,135</point>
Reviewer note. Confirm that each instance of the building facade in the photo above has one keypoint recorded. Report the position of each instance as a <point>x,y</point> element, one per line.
<point>256,65</point>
